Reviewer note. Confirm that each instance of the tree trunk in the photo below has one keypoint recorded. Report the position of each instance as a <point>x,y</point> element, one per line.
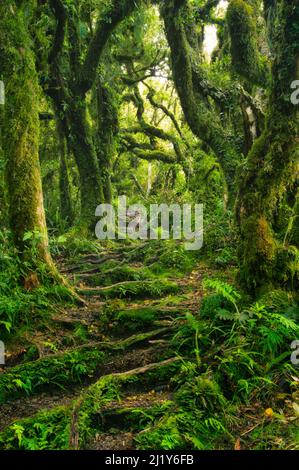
<point>106,130</point>
<point>21,130</point>
<point>82,146</point>
<point>66,207</point>
<point>271,168</point>
<point>3,208</point>
<point>192,89</point>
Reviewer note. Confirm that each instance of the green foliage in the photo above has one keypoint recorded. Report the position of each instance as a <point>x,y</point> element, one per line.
<point>48,430</point>
<point>54,371</point>
<point>176,257</point>
<point>73,245</point>
<point>240,362</point>
<point>226,290</point>
<point>244,42</point>
<point>226,257</point>
<point>113,388</point>
<point>140,289</point>
<point>21,309</point>
<point>165,127</point>
<point>229,294</point>
<point>195,419</point>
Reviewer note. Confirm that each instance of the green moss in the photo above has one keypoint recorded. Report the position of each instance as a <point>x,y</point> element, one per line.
<point>112,388</point>
<point>280,300</point>
<point>275,434</point>
<point>48,430</point>
<point>21,128</point>
<point>119,274</point>
<point>194,421</point>
<point>246,59</point>
<point>66,204</point>
<point>54,371</point>
<point>107,117</point>
<point>271,168</point>
<point>135,289</point>
<point>193,88</point>
<point>137,317</point>
<point>58,370</point>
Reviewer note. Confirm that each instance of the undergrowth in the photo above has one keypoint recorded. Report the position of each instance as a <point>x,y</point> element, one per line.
<point>241,358</point>
<point>23,307</point>
<point>55,371</point>
<point>233,386</point>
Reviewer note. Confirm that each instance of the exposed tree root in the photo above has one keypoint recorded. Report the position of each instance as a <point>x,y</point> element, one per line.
<point>90,402</point>
<point>66,367</point>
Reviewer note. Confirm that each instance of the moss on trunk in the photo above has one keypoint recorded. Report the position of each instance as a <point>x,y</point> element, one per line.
<point>271,168</point>
<point>106,129</point>
<point>66,206</point>
<point>246,58</point>
<point>83,148</point>
<point>21,129</point>
<point>194,90</point>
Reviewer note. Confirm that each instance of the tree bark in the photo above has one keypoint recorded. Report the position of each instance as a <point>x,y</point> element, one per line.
<point>271,168</point>
<point>193,90</point>
<point>107,125</point>
<point>66,206</point>
<point>21,130</point>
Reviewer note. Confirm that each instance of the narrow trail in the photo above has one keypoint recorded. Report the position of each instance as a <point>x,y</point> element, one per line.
<point>123,335</point>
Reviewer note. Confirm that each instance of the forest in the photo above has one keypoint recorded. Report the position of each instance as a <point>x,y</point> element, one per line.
<point>176,328</point>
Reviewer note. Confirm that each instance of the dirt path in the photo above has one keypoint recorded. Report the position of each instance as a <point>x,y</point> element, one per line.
<point>130,317</point>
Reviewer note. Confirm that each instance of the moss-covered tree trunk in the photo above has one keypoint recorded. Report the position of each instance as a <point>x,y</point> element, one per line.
<point>70,109</point>
<point>68,91</point>
<point>105,136</point>
<point>271,167</point>
<point>241,19</point>
<point>21,131</point>
<point>3,208</point>
<point>82,146</point>
<point>66,206</point>
<point>194,91</point>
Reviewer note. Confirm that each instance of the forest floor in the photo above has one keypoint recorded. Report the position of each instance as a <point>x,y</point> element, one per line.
<point>101,375</point>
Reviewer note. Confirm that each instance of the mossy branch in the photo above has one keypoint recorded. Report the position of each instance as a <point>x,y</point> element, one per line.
<point>193,96</point>
<point>59,11</point>
<point>116,11</point>
<point>246,58</point>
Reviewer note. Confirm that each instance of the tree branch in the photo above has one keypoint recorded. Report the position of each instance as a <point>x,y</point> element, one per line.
<point>155,155</point>
<point>60,14</point>
<point>108,20</point>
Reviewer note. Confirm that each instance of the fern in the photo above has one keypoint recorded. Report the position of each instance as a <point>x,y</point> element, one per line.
<point>215,424</point>
<point>285,322</point>
<point>228,292</point>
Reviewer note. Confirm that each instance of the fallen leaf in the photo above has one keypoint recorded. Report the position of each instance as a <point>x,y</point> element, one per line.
<point>237,444</point>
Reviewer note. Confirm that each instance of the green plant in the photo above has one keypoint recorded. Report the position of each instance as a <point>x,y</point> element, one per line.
<point>228,293</point>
